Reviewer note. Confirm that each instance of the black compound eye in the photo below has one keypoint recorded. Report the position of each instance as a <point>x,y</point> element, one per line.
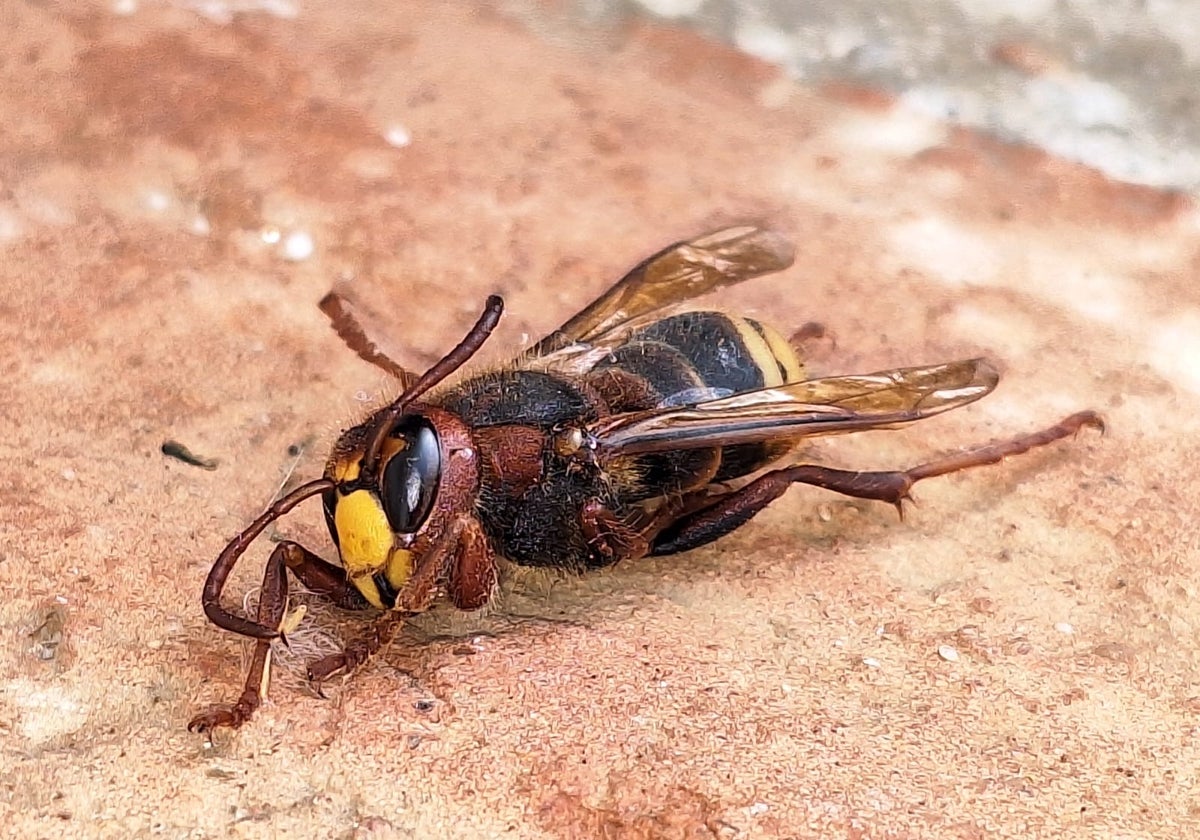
<point>410,478</point>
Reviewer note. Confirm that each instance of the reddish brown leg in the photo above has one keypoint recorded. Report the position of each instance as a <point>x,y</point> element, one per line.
<point>359,649</point>
<point>729,512</point>
<point>414,597</point>
<point>323,579</point>
<point>612,538</point>
<point>473,569</point>
<point>272,604</point>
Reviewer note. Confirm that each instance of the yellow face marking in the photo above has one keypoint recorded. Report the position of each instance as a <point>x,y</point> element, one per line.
<point>363,533</point>
<point>369,590</point>
<point>399,568</point>
<point>347,469</point>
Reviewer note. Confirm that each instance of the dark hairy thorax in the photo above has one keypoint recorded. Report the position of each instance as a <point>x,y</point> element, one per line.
<point>531,496</point>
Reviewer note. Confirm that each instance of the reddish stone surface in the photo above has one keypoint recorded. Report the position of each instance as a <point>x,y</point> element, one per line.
<point>785,682</point>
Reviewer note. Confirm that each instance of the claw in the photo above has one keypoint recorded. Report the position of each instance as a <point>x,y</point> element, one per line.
<point>1092,420</point>
<point>323,669</point>
<point>899,503</point>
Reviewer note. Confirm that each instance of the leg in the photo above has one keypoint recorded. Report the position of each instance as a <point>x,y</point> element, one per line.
<point>729,512</point>
<point>272,604</point>
<point>612,539</point>
<point>359,649</point>
<point>322,578</point>
<point>473,569</point>
<point>414,597</point>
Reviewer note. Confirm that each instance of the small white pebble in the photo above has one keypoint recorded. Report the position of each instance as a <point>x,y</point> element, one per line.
<point>124,7</point>
<point>158,201</point>
<point>68,474</point>
<point>872,662</point>
<point>60,599</point>
<point>271,235</point>
<point>824,512</point>
<point>280,8</point>
<point>298,246</point>
<point>1063,627</point>
<point>948,652</point>
<point>758,808</point>
<point>200,225</point>
<point>398,136</point>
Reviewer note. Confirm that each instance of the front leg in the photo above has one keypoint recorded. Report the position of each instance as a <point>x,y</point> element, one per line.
<point>472,577</point>
<point>415,597</point>
<point>322,578</point>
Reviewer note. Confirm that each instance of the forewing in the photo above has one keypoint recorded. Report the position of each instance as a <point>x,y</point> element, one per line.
<point>677,273</point>
<point>804,409</point>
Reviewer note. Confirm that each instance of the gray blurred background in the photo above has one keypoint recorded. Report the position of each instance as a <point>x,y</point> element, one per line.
<point>1114,84</point>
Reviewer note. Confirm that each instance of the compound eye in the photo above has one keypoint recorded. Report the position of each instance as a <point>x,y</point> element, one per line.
<point>410,478</point>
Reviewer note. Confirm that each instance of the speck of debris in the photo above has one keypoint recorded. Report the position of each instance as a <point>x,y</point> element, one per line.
<point>871,662</point>
<point>175,449</point>
<point>1064,627</point>
<point>423,705</point>
<point>48,635</point>
<point>948,652</point>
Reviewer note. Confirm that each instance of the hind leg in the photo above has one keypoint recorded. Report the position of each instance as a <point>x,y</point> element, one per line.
<point>727,512</point>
